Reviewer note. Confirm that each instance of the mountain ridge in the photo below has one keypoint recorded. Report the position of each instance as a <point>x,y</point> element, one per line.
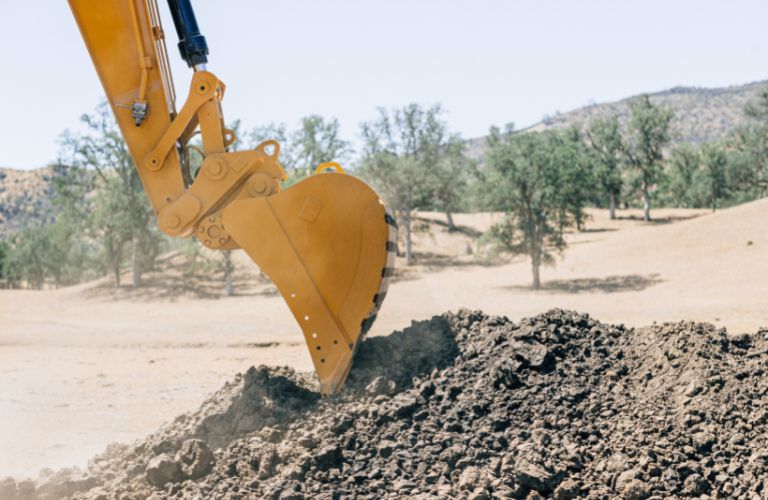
<point>702,114</point>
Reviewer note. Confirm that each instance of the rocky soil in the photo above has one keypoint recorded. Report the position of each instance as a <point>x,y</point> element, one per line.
<point>470,406</point>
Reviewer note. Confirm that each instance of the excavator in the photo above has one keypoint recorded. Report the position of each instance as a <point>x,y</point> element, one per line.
<point>327,242</point>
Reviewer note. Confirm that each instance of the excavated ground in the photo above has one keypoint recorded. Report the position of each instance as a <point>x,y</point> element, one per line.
<point>470,406</point>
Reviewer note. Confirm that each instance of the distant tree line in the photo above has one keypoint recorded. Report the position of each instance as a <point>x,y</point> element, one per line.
<point>541,182</point>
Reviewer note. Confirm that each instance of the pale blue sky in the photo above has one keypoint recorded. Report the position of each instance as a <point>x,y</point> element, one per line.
<point>488,62</point>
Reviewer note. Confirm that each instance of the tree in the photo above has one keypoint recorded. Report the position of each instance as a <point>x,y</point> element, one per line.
<point>678,188</point>
<point>577,170</point>
<point>121,209</point>
<point>110,225</point>
<point>401,148</point>
<point>3,261</point>
<point>449,179</point>
<point>41,253</point>
<point>228,269</point>
<point>604,138</point>
<point>526,176</point>
<point>648,134</point>
<point>750,145</point>
<point>713,173</point>
<point>316,140</point>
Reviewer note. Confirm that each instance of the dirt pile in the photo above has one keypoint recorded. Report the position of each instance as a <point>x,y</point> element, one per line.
<point>467,405</point>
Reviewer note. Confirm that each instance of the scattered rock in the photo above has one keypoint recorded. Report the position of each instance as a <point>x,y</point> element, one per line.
<point>329,456</point>
<point>567,490</point>
<point>163,469</point>
<point>634,489</point>
<point>195,459</point>
<point>537,477</point>
<point>467,405</point>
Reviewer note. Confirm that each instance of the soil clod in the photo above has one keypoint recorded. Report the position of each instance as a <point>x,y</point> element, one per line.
<point>467,405</point>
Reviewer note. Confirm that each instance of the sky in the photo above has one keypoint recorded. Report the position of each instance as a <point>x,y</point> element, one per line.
<point>488,62</point>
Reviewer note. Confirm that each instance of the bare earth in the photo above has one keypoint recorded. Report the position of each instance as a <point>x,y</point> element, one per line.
<point>85,366</point>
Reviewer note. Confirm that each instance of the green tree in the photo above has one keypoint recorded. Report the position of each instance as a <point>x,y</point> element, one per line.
<point>714,180</point>
<point>605,140</point>
<point>648,135</point>
<point>678,185</point>
<point>578,176</point>
<point>3,261</point>
<point>449,177</point>
<point>525,179</point>
<point>43,253</point>
<point>750,147</point>
<point>316,140</point>
<point>401,148</point>
<point>121,208</point>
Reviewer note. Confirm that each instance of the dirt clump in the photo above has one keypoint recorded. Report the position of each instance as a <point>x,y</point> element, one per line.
<point>467,405</point>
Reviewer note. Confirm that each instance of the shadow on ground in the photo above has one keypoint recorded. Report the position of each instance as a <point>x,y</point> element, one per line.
<point>608,284</point>
<point>466,230</point>
<point>660,220</point>
<point>176,287</point>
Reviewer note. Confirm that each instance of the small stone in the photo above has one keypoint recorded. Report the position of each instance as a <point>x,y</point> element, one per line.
<point>536,477</point>
<point>381,386</point>
<point>534,354</point>
<point>479,494</point>
<point>163,469</point>
<point>635,490</point>
<point>469,478</point>
<point>695,485</point>
<point>567,490</point>
<point>195,459</point>
<point>703,442</point>
<point>693,390</point>
<point>385,448</point>
<point>307,442</point>
<point>328,456</point>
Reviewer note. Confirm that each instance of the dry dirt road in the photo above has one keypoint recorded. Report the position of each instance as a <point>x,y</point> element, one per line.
<point>80,368</point>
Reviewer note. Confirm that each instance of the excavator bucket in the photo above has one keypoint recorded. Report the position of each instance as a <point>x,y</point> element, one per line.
<point>329,244</point>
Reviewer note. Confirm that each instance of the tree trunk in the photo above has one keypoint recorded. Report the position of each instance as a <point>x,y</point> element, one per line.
<point>535,268</point>
<point>136,262</point>
<point>408,242</point>
<point>612,206</point>
<point>449,219</point>
<point>535,253</point>
<point>646,204</point>
<point>116,272</point>
<point>228,273</point>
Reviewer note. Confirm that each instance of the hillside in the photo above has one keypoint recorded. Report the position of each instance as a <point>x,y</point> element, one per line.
<point>24,194</point>
<point>701,114</point>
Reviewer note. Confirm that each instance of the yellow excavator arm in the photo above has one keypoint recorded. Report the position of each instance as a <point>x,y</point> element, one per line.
<point>327,242</point>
